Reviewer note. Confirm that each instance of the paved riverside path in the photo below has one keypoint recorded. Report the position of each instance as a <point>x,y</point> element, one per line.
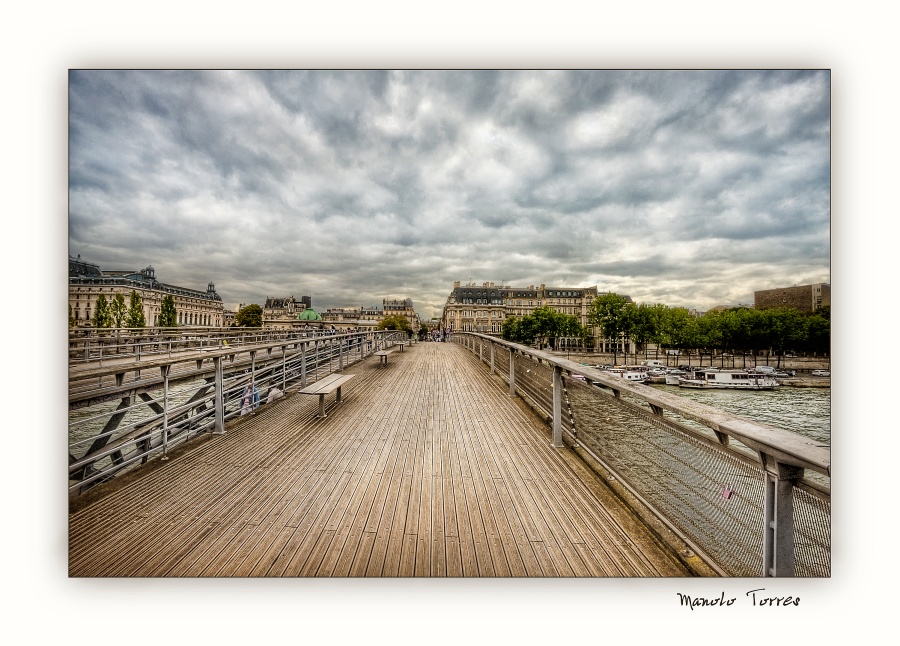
<point>427,469</point>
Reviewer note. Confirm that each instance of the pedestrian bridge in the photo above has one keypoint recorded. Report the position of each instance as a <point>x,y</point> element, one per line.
<point>474,458</point>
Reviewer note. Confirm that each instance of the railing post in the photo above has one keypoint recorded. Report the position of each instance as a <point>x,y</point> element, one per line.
<point>512,372</point>
<point>778,517</point>
<point>492,357</point>
<point>165,438</point>
<point>219,428</point>
<point>303,364</point>
<point>557,407</point>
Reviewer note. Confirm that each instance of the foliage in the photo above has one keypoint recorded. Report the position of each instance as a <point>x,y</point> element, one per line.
<point>118,310</point>
<point>135,316</point>
<point>249,316</point>
<point>394,323</point>
<point>818,335</point>
<point>608,313</point>
<point>168,316</point>
<point>736,330</point>
<point>102,314</point>
<point>741,330</point>
<point>543,323</point>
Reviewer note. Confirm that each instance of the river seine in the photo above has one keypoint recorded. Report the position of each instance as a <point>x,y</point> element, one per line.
<point>805,411</point>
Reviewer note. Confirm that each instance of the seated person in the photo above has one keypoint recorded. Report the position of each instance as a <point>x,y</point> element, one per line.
<point>274,393</point>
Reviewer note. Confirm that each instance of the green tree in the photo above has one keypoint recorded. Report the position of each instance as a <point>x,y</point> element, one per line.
<point>118,310</point>
<point>168,316</point>
<point>511,329</point>
<point>608,314</point>
<point>249,316</point>
<point>818,335</point>
<point>678,329</point>
<point>395,322</point>
<point>135,316</point>
<point>709,338</point>
<point>788,328</point>
<point>519,330</point>
<point>643,324</point>
<point>102,314</point>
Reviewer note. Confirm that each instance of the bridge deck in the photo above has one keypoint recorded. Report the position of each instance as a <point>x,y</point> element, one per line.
<point>426,469</point>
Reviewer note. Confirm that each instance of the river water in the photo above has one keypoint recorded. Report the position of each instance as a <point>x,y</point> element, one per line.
<point>805,411</point>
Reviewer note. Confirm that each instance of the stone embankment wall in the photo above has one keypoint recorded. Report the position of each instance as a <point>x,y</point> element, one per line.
<point>800,364</point>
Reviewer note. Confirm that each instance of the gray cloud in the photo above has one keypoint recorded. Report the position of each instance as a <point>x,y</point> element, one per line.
<point>689,188</point>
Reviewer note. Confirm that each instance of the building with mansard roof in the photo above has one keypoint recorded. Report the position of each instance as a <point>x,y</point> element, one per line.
<point>483,308</point>
<point>352,318</point>
<point>87,282</point>
<point>283,313</point>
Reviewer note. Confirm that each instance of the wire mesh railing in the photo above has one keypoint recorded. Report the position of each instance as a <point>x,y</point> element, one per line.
<point>126,414</point>
<point>737,491</point>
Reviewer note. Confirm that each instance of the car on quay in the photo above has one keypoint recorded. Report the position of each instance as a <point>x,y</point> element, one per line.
<point>821,373</point>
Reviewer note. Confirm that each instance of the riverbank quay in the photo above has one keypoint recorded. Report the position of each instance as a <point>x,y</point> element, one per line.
<point>413,474</point>
<point>802,366</point>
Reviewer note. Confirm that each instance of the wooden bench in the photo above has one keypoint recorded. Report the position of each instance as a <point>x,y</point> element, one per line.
<point>324,386</point>
<point>383,354</point>
<point>401,344</point>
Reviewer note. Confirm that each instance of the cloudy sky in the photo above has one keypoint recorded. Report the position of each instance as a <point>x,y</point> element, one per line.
<point>688,188</point>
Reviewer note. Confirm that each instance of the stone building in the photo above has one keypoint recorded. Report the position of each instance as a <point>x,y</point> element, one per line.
<point>805,298</point>
<point>283,313</point>
<point>484,308</point>
<point>352,318</point>
<point>404,308</point>
<point>87,282</point>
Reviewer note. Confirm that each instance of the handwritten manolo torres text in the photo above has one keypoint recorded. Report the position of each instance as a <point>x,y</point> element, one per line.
<point>755,597</point>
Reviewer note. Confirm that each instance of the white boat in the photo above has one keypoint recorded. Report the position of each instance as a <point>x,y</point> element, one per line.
<point>673,375</point>
<point>636,374</point>
<point>712,378</point>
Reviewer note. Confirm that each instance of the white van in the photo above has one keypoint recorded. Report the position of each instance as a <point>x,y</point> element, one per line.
<point>764,370</point>
<point>653,363</point>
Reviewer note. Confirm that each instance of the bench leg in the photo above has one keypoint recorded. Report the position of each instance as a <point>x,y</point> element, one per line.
<point>338,400</point>
<point>322,405</point>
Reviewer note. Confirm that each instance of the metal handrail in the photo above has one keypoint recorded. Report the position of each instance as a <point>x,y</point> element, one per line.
<point>218,373</point>
<point>778,457</point>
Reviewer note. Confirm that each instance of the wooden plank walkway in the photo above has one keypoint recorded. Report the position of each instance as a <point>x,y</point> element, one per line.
<point>428,469</point>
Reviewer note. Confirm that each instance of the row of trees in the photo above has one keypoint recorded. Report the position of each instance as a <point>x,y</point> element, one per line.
<point>115,314</point>
<point>736,330</point>
<point>544,325</point>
